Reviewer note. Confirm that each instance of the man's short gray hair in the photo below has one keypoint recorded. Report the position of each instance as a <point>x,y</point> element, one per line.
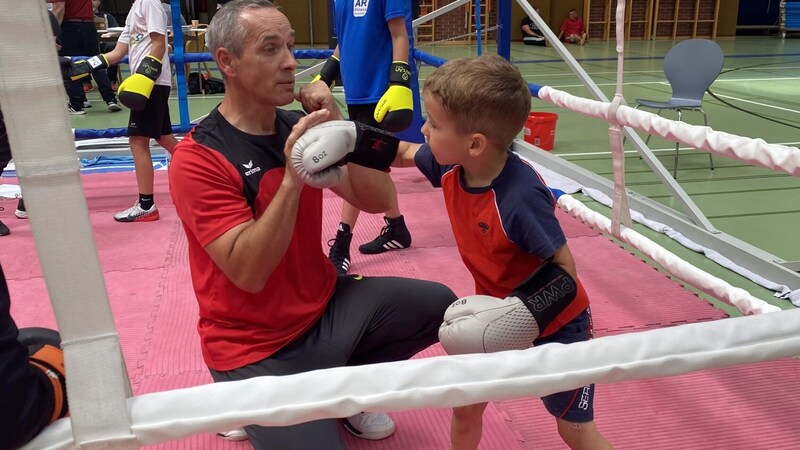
<point>225,30</point>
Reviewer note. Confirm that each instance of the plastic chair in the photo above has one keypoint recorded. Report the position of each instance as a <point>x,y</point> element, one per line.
<point>690,67</point>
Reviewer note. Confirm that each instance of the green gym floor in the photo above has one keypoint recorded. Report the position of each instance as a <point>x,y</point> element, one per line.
<point>761,75</point>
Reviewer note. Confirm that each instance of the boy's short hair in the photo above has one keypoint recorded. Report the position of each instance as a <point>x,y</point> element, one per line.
<point>486,95</point>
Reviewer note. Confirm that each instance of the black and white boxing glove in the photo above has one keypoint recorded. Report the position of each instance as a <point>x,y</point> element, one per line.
<point>82,68</point>
<point>321,150</point>
<point>485,324</point>
<point>45,354</point>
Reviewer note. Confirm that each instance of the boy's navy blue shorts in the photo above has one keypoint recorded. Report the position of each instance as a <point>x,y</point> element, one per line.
<point>576,405</point>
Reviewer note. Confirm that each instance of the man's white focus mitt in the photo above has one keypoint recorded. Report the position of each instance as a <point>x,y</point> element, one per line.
<point>318,153</point>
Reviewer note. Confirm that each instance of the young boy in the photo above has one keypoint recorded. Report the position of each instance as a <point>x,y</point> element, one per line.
<point>145,92</point>
<point>502,216</point>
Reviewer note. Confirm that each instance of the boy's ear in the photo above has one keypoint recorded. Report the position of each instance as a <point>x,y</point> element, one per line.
<point>479,144</point>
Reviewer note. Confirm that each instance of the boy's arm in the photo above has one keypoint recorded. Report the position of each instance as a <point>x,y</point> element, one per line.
<point>563,258</point>
<point>405,154</point>
<point>159,45</point>
<point>116,55</point>
<point>400,46</point>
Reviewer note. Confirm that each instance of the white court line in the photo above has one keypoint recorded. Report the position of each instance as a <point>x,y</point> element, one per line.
<point>733,80</point>
<point>565,73</point>
<point>654,150</point>
<point>759,104</point>
<point>627,72</point>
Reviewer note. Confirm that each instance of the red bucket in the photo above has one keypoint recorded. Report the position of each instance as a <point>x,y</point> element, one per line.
<point>540,129</point>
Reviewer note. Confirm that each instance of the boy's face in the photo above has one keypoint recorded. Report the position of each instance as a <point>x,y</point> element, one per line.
<point>448,145</point>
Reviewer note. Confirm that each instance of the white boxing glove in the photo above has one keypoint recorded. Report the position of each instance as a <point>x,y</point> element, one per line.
<point>317,154</point>
<point>485,324</point>
<point>328,143</point>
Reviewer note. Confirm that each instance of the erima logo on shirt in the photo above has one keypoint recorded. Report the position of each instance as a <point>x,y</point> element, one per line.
<point>250,169</point>
<point>360,8</point>
<point>484,227</point>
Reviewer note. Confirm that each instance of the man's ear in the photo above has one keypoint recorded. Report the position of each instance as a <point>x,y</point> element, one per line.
<point>225,62</point>
<point>479,144</point>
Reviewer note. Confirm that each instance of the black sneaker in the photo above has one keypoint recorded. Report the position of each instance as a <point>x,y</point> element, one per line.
<point>394,236</point>
<point>4,231</point>
<point>339,254</point>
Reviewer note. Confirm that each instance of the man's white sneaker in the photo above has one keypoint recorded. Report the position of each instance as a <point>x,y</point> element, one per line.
<point>370,425</point>
<point>234,435</point>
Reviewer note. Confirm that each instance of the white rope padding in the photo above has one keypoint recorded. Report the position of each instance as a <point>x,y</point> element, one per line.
<point>757,152</point>
<point>48,172</point>
<point>673,264</point>
<point>779,290</point>
<point>452,380</point>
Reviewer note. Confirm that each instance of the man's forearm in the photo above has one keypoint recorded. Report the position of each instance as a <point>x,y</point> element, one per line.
<point>262,245</point>
<point>58,11</point>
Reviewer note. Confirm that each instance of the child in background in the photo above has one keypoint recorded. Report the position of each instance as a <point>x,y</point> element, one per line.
<point>145,92</point>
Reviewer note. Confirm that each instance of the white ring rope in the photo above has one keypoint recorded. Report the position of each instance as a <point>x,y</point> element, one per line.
<point>757,152</point>
<point>676,266</point>
<point>452,380</point>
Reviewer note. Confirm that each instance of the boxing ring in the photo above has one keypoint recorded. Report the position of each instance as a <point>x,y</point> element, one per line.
<point>105,413</point>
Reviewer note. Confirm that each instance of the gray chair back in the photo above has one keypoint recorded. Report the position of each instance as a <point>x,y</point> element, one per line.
<point>691,66</point>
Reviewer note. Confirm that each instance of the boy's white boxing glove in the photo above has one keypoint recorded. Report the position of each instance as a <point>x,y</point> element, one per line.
<point>318,153</point>
<point>485,324</point>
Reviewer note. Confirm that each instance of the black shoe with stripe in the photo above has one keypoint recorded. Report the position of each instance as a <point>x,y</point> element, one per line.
<point>394,236</point>
<point>339,254</point>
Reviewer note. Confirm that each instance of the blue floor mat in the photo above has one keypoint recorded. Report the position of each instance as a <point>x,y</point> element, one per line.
<point>105,164</point>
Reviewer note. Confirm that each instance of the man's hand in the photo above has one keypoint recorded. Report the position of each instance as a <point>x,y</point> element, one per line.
<point>317,96</point>
<point>291,176</point>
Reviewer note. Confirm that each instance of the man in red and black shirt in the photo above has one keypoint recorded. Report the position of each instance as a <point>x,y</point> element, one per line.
<point>270,301</point>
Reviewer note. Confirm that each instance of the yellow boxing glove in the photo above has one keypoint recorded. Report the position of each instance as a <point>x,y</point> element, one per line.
<point>329,73</point>
<point>135,90</point>
<point>395,109</point>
